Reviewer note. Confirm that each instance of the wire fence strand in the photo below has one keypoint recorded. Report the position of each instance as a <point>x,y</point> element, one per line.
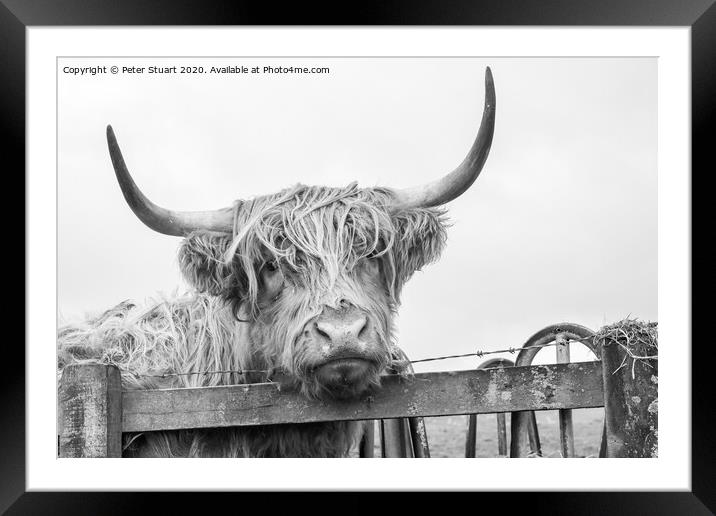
<point>478,353</point>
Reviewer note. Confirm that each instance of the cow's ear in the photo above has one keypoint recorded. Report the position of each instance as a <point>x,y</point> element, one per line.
<point>420,238</point>
<point>201,260</point>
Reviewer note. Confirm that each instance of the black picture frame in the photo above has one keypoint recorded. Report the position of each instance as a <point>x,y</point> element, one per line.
<point>699,15</point>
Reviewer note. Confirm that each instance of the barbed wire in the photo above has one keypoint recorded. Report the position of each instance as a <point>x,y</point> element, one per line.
<point>478,353</point>
<point>190,373</point>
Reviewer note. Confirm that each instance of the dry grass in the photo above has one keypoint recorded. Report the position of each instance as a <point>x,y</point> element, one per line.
<point>639,339</point>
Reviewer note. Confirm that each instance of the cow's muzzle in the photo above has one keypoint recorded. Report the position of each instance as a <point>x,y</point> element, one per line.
<point>347,351</point>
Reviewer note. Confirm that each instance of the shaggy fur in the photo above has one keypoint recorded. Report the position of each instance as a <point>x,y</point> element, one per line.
<point>291,254</point>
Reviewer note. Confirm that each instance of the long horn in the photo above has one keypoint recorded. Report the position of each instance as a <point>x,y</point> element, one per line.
<point>459,180</point>
<point>168,222</point>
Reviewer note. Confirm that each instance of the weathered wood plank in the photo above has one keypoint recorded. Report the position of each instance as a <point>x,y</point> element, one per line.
<point>544,387</point>
<point>90,408</point>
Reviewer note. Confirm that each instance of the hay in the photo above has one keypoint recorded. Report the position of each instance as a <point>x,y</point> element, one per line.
<point>639,339</point>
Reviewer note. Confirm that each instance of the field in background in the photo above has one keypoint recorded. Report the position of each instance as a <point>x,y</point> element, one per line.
<point>446,435</point>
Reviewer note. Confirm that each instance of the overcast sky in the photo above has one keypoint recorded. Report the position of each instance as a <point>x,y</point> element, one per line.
<point>560,226</point>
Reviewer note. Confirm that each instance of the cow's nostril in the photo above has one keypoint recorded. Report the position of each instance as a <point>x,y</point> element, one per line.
<point>363,329</point>
<point>322,332</point>
<point>343,329</point>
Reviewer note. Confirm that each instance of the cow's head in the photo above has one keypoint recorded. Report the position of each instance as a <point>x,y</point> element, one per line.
<point>316,272</point>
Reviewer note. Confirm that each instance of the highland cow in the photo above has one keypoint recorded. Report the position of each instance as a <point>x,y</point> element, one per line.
<point>300,285</point>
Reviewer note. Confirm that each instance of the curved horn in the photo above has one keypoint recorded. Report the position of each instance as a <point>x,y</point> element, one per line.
<point>168,222</point>
<point>459,180</point>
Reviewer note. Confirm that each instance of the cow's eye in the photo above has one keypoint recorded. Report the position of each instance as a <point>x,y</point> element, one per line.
<point>271,266</point>
<point>374,256</point>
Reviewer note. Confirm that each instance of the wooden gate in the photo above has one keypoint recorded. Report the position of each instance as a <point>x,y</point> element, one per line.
<point>94,411</point>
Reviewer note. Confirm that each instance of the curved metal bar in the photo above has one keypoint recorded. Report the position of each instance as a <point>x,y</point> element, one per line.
<point>549,334</point>
<point>494,363</point>
<point>525,422</point>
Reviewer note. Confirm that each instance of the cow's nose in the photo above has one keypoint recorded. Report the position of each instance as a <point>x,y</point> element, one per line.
<point>344,326</point>
<point>342,329</point>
